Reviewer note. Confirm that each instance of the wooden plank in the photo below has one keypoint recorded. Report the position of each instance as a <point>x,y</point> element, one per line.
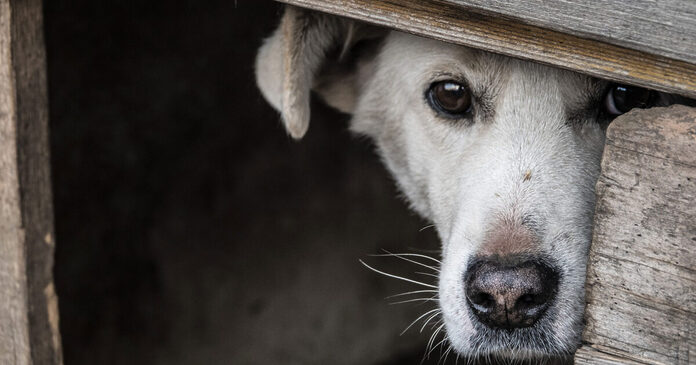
<point>28,304</point>
<point>452,23</point>
<point>14,319</point>
<point>641,278</point>
<point>665,27</point>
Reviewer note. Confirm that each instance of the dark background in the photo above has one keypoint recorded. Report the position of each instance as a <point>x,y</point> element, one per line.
<point>190,229</point>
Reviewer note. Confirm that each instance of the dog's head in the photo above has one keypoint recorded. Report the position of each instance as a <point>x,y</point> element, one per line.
<point>500,154</point>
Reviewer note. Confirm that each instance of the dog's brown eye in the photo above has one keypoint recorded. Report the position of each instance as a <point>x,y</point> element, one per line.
<point>622,98</point>
<point>450,98</point>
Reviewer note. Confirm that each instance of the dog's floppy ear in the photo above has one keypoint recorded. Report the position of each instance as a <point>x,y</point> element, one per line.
<point>310,50</point>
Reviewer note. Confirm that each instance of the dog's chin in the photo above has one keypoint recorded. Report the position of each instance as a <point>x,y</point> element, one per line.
<point>531,344</point>
<point>507,359</point>
<point>537,344</point>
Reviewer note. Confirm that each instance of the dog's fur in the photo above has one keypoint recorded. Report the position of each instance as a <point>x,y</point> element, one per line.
<point>516,178</point>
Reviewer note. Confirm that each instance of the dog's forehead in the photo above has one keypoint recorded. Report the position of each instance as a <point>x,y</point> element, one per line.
<point>422,60</point>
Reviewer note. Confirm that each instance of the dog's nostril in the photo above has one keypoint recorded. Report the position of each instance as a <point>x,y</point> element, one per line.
<point>531,300</point>
<point>483,301</point>
<point>510,296</point>
<point>526,299</point>
<point>529,304</point>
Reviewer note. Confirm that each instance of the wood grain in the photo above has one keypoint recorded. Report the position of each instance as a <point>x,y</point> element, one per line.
<point>14,320</point>
<point>665,27</point>
<point>589,355</point>
<point>28,303</point>
<point>453,23</point>
<point>641,279</point>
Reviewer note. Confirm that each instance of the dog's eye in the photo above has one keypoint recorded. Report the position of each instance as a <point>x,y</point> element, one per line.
<point>450,98</point>
<point>622,98</point>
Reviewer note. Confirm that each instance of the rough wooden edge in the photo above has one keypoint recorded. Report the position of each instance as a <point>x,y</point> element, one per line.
<point>589,355</point>
<point>14,321</point>
<point>33,159</point>
<point>451,23</point>
<point>27,294</point>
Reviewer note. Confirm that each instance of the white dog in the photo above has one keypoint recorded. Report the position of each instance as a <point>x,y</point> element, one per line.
<point>501,155</point>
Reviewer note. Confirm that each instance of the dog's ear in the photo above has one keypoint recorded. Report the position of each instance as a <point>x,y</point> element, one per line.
<point>311,51</point>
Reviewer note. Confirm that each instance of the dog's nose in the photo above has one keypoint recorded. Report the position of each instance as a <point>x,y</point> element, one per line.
<point>507,296</point>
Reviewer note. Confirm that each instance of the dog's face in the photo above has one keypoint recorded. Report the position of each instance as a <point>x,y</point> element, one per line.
<point>502,155</point>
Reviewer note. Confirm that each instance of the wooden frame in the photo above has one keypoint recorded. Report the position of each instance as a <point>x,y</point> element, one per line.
<point>582,36</point>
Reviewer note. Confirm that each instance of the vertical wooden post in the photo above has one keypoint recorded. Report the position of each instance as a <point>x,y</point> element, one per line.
<point>28,304</point>
<point>641,277</point>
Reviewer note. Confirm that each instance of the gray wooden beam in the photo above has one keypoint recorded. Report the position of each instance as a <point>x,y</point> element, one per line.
<point>665,27</point>
<point>454,23</point>
<point>641,278</point>
<point>28,304</point>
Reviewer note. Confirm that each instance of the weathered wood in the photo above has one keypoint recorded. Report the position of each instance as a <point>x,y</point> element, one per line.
<point>665,27</point>
<point>641,279</point>
<point>453,23</point>
<point>28,304</point>
<point>14,319</point>
<point>589,355</point>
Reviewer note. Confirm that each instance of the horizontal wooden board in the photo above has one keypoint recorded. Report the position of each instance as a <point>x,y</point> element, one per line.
<point>665,27</point>
<point>453,23</point>
<point>641,277</point>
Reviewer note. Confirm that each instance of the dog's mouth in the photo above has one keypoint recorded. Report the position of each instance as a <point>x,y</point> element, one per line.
<point>481,343</point>
<point>534,342</point>
<point>507,360</point>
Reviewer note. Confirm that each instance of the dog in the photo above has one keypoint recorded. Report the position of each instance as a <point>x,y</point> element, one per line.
<point>500,154</point>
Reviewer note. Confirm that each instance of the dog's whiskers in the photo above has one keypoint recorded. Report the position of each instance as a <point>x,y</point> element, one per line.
<point>404,256</point>
<point>428,320</point>
<point>426,227</point>
<point>431,299</point>
<point>412,292</point>
<point>443,357</point>
<point>440,344</point>
<point>435,346</point>
<point>426,274</point>
<point>412,254</point>
<point>418,319</point>
<point>397,277</point>
<point>431,341</point>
